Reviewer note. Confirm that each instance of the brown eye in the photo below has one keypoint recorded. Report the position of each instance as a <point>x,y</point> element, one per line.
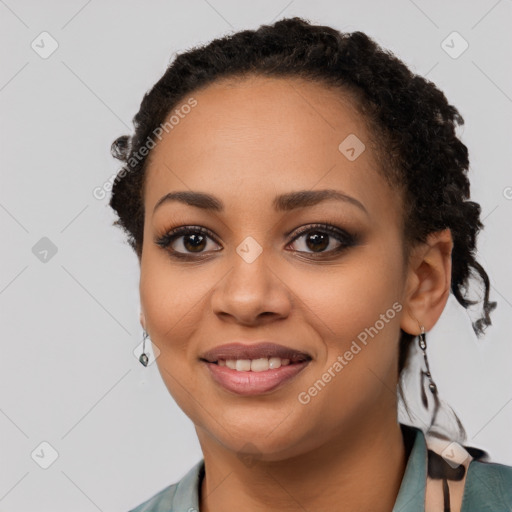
<point>194,242</point>
<point>322,239</point>
<point>317,241</point>
<point>186,240</point>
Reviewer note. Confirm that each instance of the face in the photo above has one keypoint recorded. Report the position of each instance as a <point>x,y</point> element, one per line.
<point>319,273</point>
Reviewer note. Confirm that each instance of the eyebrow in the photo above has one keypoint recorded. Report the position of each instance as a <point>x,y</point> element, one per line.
<point>282,203</point>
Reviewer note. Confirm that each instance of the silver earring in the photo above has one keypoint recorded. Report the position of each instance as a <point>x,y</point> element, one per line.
<point>144,359</point>
<point>422,341</point>
<point>423,345</point>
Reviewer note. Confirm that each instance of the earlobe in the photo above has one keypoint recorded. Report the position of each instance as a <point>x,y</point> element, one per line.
<point>428,282</point>
<point>142,320</point>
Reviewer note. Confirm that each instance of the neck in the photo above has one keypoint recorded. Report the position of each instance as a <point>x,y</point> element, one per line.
<point>361,470</point>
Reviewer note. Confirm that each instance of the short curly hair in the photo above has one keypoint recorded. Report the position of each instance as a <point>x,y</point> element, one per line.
<point>410,118</point>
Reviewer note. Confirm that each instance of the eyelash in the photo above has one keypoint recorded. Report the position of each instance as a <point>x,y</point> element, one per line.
<point>346,239</point>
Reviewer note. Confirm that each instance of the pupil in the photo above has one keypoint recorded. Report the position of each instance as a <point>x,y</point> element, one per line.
<point>320,241</point>
<point>195,245</point>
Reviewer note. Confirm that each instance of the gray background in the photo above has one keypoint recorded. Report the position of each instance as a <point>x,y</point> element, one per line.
<point>70,319</point>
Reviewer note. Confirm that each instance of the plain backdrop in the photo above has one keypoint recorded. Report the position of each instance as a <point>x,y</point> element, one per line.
<point>112,435</point>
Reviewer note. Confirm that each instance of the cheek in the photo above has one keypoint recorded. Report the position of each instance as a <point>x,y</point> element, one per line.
<point>168,295</point>
<point>358,320</point>
<point>357,313</point>
<point>349,298</point>
<point>171,305</point>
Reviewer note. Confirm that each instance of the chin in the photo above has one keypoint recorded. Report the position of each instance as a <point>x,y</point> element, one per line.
<point>265,442</point>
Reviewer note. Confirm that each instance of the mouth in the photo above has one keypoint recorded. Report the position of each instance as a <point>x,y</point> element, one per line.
<point>254,369</point>
<point>257,353</point>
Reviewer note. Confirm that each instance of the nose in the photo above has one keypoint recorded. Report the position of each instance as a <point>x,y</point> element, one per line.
<point>251,293</point>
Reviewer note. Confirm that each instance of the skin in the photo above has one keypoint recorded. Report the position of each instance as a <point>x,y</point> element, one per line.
<point>245,142</point>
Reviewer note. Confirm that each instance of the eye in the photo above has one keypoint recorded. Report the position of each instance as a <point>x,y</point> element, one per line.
<point>323,238</point>
<point>186,240</point>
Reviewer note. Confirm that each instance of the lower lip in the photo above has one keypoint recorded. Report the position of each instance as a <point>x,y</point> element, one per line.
<point>254,383</point>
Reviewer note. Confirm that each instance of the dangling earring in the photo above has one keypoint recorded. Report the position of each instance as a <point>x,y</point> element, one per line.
<point>422,341</point>
<point>423,345</point>
<point>144,359</point>
<point>442,431</point>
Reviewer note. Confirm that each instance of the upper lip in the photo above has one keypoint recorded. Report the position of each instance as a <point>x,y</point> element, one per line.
<point>253,351</point>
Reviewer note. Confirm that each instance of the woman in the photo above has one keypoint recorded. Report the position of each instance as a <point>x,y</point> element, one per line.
<point>297,199</point>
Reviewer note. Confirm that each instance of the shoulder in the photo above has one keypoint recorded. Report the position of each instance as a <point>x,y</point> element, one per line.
<point>182,495</point>
<point>488,486</point>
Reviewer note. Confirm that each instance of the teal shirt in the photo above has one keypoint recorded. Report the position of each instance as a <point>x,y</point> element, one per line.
<point>488,486</point>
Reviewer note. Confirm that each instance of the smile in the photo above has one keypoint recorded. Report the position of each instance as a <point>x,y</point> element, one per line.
<point>254,368</point>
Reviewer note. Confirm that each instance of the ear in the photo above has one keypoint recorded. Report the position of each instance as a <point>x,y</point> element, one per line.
<point>142,320</point>
<point>428,282</point>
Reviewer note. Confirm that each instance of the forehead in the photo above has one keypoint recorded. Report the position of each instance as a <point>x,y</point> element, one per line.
<point>259,136</point>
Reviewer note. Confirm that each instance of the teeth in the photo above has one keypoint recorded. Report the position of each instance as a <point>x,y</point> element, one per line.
<point>260,365</point>
<point>255,365</point>
<point>243,365</point>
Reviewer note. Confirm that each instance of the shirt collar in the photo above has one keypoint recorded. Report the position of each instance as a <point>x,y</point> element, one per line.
<point>187,492</point>
<point>411,495</point>
<point>410,498</point>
